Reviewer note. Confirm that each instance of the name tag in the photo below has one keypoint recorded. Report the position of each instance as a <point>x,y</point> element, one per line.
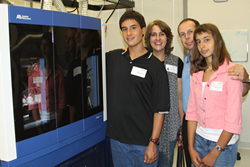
<point>77,71</point>
<point>140,72</point>
<point>38,98</point>
<point>216,86</point>
<point>37,80</point>
<point>171,68</point>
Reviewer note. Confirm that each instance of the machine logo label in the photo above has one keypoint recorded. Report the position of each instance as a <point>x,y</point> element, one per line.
<point>23,17</point>
<point>98,117</point>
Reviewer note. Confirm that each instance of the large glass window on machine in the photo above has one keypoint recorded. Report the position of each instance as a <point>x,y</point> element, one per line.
<point>80,58</point>
<point>38,85</point>
<point>56,77</point>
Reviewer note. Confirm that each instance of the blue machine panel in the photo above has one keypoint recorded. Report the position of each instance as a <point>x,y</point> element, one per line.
<point>36,143</point>
<point>72,130</point>
<point>47,133</point>
<point>90,23</point>
<point>29,16</point>
<point>66,20</point>
<point>93,121</point>
<point>61,151</point>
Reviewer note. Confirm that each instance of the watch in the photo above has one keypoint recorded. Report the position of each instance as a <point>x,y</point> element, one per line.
<point>155,141</point>
<point>218,148</point>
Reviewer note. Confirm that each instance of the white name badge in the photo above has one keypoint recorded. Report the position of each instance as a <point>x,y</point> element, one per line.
<point>216,86</point>
<point>38,98</point>
<point>37,80</point>
<point>140,72</point>
<point>77,71</point>
<point>171,68</point>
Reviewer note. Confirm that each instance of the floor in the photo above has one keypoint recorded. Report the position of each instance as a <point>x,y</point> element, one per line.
<point>245,156</point>
<point>244,162</point>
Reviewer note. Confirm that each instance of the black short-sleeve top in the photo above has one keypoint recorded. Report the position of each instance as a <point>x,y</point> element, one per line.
<point>136,89</point>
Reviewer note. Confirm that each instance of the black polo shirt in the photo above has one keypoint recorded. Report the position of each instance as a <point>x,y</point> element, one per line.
<point>77,92</point>
<point>76,86</point>
<point>136,90</point>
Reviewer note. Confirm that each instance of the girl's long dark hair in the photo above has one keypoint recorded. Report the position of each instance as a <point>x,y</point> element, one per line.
<point>52,57</point>
<point>198,62</point>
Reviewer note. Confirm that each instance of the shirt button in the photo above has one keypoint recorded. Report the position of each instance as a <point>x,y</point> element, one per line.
<point>205,98</point>
<point>131,62</point>
<point>207,85</point>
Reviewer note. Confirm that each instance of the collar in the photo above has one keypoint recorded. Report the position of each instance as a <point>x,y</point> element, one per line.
<point>147,55</point>
<point>222,69</point>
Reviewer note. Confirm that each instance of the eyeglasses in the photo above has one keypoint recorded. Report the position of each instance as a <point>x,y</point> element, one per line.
<point>183,34</point>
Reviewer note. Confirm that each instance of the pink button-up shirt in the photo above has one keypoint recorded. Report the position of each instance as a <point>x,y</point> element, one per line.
<point>220,106</point>
<point>45,95</point>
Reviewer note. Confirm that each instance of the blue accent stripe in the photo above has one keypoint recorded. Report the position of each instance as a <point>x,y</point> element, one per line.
<point>70,130</point>
<point>61,151</point>
<point>66,20</point>
<point>24,15</point>
<point>93,121</point>
<point>90,23</point>
<point>43,141</point>
<point>34,144</point>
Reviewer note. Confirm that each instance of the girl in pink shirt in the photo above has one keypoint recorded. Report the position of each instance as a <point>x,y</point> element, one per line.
<point>214,106</point>
<point>46,89</point>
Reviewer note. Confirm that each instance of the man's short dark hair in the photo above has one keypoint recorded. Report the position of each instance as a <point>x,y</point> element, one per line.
<point>188,19</point>
<point>131,14</point>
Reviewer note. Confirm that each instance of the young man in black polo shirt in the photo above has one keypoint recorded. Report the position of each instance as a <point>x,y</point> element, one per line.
<point>138,97</point>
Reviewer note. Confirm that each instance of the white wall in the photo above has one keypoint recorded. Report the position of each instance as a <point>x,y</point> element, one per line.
<point>231,15</point>
<point>170,11</point>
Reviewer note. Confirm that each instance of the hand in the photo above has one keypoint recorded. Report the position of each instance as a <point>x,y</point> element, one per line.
<point>238,72</point>
<point>150,154</point>
<point>209,160</point>
<point>195,158</point>
<point>30,70</point>
<point>180,142</point>
<point>106,27</point>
